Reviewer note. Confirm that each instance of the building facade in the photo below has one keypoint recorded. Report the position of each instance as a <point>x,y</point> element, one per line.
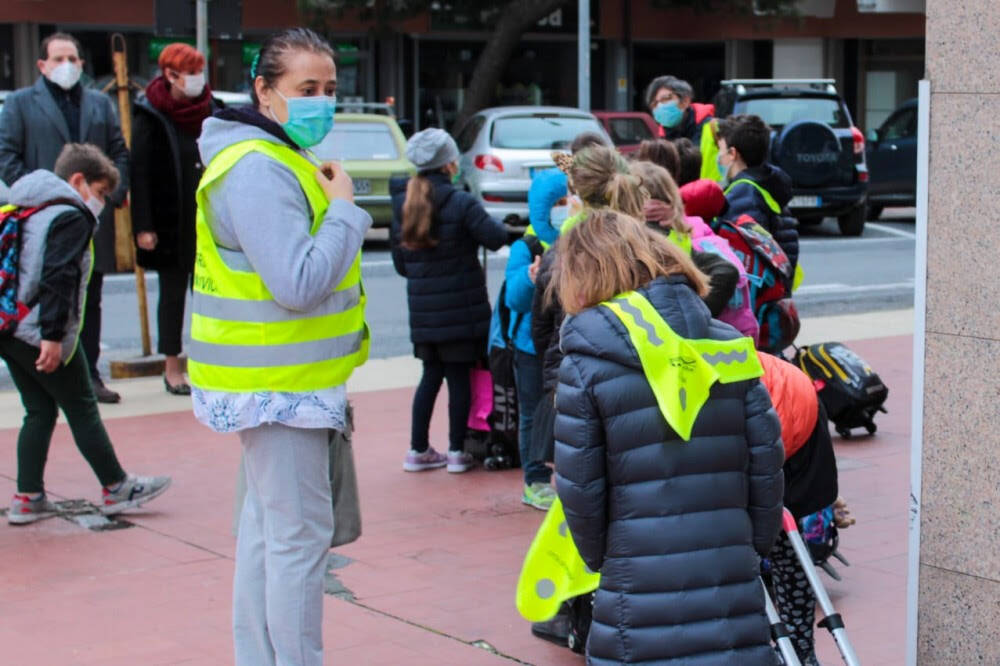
<point>874,49</point>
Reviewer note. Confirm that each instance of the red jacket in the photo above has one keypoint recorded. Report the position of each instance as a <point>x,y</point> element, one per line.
<point>794,398</point>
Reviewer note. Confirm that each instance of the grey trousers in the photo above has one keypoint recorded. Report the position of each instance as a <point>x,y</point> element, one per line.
<point>284,534</point>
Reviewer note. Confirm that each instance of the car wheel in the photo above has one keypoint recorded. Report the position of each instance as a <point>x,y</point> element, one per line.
<point>874,211</point>
<point>853,223</point>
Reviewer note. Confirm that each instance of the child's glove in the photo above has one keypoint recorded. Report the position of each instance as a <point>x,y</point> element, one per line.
<point>842,515</point>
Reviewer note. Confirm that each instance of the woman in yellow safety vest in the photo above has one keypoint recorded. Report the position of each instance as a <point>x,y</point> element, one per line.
<point>668,453</point>
<point>277,328</point>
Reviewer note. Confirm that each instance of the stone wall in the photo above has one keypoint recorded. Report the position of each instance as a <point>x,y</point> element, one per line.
<point>959,607</point>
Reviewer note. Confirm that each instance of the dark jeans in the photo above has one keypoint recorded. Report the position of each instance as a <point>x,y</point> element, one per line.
<point>459,401</point>
<point>68,388</point>
<point>528,377</point>
<point>174,284</point>
<point>90,334</point>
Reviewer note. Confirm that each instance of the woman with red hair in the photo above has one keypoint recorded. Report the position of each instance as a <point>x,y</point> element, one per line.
<point>166,169</point>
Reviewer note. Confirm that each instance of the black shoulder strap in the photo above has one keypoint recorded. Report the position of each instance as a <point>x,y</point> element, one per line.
<point>534,245</point>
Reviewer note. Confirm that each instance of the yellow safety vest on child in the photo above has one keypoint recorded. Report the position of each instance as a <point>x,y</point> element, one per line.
<point>242,340</point>
<point>681,373</point>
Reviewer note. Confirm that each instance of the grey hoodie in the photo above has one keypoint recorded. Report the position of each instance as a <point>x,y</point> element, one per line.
<point>260,219</point>
<point>35,189</point>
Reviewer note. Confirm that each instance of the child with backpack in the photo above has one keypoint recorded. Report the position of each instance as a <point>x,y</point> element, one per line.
<point>547,189</point>
<point>754,186</point>
<point>45,261</point>
<point>810,494</point>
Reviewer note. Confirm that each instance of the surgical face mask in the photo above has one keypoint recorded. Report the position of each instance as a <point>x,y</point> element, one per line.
<point>65,74</point>
<point>309,118</point>
<point>559,215</point>
<point>194,84</point>
<point>95,204</point>
<point>723,168</point>
<point>668,114</point>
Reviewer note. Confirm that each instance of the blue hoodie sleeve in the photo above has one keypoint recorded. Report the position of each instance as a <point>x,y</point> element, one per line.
<point>520,289</point>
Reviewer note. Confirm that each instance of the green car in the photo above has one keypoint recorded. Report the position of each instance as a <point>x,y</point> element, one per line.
<point>372,149</point>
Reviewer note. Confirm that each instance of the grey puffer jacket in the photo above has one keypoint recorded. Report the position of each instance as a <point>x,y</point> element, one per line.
<point>676,529</point>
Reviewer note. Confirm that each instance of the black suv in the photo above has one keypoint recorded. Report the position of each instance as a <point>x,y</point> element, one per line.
<point>813,140</point>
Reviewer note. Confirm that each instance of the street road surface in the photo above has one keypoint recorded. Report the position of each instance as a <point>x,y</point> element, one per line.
<point>842,275</point>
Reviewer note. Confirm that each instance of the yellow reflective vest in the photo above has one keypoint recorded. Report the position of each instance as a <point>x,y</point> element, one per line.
<point>709,153</point>
<point>242,340</point>
<point>681,373</point>
<point>800,274</point>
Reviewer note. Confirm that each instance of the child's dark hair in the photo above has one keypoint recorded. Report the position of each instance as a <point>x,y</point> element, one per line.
<point>662,153</point>
<point>586,140</point>
<point>749,135</point>
<point>270,60</point>
<point>86,158</point>
<point>690,161</point>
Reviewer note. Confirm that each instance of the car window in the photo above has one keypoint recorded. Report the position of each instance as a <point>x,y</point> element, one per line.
<point>539,131</point>
<point>468,135</point>
<point>358,141</point>
<point>780,111</point>
<point>901,125</point>
<point>628,131</point>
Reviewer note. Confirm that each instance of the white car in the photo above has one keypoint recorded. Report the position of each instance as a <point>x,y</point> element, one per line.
<point>503,147</point>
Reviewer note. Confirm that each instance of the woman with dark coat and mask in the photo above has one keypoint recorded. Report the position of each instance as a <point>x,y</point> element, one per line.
<point>166,168</point>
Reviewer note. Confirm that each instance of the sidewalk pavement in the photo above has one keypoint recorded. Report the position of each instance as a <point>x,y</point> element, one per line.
<point>432,579</point>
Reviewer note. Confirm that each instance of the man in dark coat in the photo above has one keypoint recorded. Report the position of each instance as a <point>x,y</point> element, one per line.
<point>37,122</point>
<point>676,528</point>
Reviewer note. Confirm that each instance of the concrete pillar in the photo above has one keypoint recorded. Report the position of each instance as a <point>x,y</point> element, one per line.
<point>739,59</point>
<point>958,607</point>
<point>25,54</point>
<point>618,87</point>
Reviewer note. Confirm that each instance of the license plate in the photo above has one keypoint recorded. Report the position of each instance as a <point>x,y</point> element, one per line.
<point>805,202</point>
<point>362,186</point>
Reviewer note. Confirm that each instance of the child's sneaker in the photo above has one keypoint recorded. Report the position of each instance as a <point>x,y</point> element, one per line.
<point>429,459</point>
<point>134,491</point>
<point>24,510</point>
<point>539,495</point>
<point>460,461</point>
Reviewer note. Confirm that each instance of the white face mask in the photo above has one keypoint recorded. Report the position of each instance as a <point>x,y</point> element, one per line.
<point>559,215</point>
<point>95,205</point>
<point>65,74</point>
<point>194,84</point>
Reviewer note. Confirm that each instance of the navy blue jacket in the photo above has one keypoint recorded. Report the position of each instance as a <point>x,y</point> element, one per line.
<point>744,199</point>
<point>445,284</point>
<point>676,528</point>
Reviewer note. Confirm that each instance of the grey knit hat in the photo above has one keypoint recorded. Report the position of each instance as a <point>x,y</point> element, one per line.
<point>431,149</point>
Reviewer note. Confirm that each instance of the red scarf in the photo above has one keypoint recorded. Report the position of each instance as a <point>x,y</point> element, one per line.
<point>186,114</point>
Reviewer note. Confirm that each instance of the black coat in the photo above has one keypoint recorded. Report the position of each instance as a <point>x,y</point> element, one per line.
<point>166,168</point>
<point>676,529</point>
<point>744,199</point>
<point>445,284</point>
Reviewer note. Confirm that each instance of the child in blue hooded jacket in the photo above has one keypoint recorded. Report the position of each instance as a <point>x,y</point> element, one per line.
<point>547,189</point>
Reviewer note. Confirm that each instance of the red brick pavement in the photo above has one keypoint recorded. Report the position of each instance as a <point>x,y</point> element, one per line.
<point>432,576</point>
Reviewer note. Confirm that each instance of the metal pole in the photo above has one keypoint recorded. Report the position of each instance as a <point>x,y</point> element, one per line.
<point>201,26</point>
<point>583,56</point>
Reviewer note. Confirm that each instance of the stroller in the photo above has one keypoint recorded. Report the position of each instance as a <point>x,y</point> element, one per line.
<point>832,621</point>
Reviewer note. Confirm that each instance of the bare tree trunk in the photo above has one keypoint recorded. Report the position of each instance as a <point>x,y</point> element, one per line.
<point>518,16</point>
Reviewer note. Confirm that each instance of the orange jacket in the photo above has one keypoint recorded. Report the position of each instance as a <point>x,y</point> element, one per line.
<point>794,398</point>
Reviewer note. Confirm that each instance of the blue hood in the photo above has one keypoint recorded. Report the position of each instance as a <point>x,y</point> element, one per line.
<point>547,188</point>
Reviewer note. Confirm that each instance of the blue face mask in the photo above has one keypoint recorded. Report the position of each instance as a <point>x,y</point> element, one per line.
<point>309,118</point>
<point>723,169</point>
<point>559,215</point>
<point>668,114</point>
